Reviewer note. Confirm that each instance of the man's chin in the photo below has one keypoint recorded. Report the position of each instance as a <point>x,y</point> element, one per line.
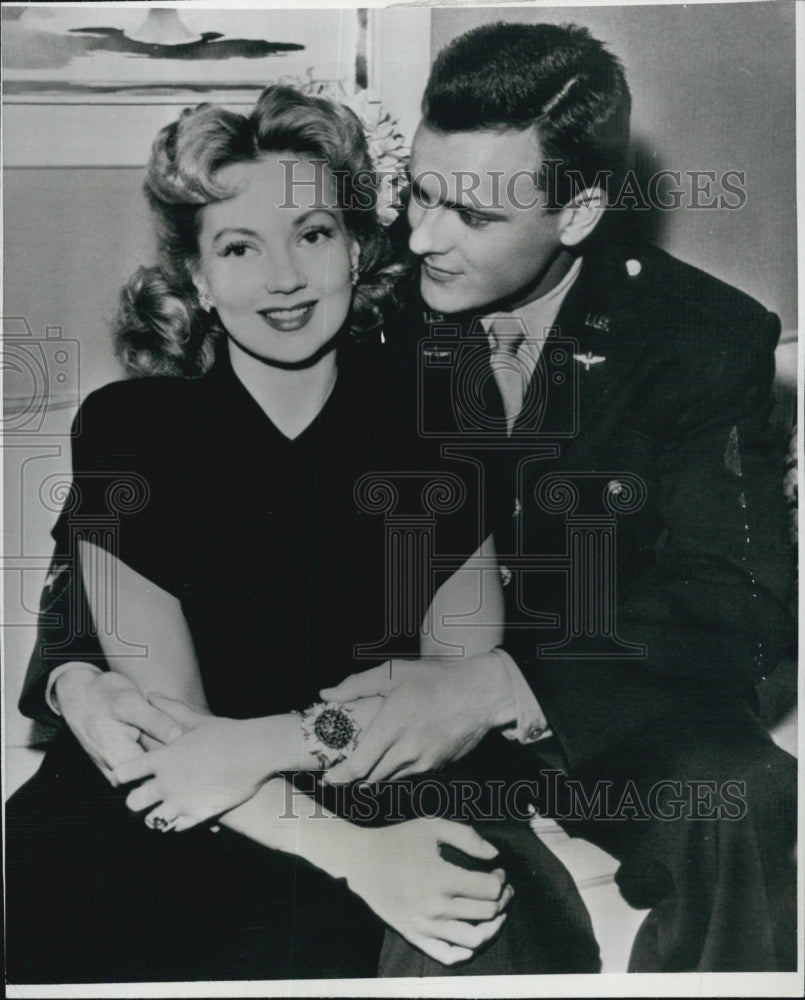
<point>444,297</point>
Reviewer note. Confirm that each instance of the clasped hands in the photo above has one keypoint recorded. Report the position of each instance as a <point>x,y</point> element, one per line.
<point>414,716</point>
<point>199,766</point>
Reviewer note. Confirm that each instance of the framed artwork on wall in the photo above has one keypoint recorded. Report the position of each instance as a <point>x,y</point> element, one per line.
<point>89,85</point>
<point>123,55</point>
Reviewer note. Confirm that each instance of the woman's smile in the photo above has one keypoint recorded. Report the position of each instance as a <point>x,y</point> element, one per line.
<point>290,318</point>
<point>273,269</point>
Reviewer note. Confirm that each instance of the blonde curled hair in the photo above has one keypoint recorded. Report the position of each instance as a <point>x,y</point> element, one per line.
<point>161,328</point>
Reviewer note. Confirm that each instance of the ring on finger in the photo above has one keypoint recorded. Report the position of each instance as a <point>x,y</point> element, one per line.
<point>161,823</point>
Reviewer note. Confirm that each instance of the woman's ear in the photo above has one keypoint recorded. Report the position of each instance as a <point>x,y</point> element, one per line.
<point>581,215</point>
<point>205,300</point>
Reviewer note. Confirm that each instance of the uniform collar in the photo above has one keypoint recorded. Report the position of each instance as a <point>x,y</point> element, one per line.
<point>539,314</point>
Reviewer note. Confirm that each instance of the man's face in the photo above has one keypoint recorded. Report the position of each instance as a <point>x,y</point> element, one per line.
<point>477,219</point>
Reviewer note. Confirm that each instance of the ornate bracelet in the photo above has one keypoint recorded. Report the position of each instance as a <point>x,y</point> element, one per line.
<point>329,731</point>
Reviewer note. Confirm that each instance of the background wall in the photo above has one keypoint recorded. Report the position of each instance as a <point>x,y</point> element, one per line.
<point>713,89</point>
<point>71,237</point>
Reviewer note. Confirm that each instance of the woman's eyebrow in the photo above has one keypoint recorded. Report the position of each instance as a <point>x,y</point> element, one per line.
<point>302,219</point>
<point>235,231</point>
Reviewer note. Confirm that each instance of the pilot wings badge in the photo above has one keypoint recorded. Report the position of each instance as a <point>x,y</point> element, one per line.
<point>589,359</point>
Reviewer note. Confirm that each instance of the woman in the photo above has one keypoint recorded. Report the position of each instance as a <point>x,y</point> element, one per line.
<point>247,544</point>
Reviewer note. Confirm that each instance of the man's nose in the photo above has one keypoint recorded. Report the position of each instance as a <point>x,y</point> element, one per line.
<point>428,230</point>
<point>284,275</point>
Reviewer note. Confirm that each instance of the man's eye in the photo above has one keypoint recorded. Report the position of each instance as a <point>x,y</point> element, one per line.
<point>421,197</point>
<point>472,220</point>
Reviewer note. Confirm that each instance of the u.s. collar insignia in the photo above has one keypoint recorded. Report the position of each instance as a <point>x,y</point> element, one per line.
<point>602,323</point>
<point>589,359</point>
<point>437,355</point>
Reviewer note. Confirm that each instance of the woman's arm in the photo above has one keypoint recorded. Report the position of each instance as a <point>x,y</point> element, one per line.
<point>222,761</point>
<point>130,613</point>
<point>218,763</point>
<point>446,911</point>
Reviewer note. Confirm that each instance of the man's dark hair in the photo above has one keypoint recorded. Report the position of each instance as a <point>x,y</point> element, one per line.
<point>559,78</point>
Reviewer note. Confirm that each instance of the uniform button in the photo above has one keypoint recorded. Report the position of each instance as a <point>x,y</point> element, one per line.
<point>505,576</point>
<point>517,507</point>
<point>633,268</point>
<point>615,488</point>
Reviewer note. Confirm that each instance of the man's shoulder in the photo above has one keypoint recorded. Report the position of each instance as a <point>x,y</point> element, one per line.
<point>657,277</point>
<point>680,308</point>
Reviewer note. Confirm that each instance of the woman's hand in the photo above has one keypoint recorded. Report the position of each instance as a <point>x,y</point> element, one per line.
<point>446,911</point>
<point>216,765</point>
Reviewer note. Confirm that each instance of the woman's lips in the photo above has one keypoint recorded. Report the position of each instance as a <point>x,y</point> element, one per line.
<point>290,319</point>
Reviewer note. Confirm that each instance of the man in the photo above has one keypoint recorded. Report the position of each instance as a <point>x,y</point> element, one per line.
<point>634,433</point>
<point>640,531</point>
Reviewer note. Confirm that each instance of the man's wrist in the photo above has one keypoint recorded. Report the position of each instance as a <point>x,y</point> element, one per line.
<point>490,689</point>
<point>74,669</point>
<point>530,723</point>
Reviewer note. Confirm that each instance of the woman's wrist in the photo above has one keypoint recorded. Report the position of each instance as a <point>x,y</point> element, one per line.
<point>278,743</point>
<point>279,818</point>
<point>276,739</point>
<point>339,848</point>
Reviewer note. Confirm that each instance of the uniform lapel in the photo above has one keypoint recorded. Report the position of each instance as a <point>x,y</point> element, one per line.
<point>597,340</point>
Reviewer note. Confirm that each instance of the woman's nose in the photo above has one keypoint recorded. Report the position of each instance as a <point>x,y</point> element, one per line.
<point>284,276</point>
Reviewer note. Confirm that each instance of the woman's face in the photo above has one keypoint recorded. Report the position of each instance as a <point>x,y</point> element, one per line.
<point>276,258</point>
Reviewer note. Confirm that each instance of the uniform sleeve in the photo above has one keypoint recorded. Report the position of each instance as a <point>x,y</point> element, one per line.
<point>64,634</point>
<point>711,609</point>
<point>117,500</point>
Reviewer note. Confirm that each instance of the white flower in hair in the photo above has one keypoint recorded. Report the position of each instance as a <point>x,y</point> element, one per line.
<point>387,146</point>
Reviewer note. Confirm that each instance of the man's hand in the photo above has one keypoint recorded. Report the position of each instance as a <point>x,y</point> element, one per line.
<point>446,911</point>
<point>109,717</point>
<point>435,711</point>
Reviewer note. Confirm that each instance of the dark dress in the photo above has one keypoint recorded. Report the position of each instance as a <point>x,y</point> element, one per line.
<point>296,562</point>
<point>277,550</point>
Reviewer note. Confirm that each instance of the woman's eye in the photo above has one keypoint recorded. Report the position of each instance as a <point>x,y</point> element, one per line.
<point>236,250</point>
<point>317,235</point>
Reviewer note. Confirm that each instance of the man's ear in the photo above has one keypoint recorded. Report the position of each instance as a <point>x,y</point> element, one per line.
<point>581,215</point>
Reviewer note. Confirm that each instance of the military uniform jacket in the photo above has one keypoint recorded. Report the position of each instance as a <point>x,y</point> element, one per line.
<point>637,505</point>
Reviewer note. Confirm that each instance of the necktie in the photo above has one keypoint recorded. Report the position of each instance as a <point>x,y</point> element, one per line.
<point>506,335</point>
